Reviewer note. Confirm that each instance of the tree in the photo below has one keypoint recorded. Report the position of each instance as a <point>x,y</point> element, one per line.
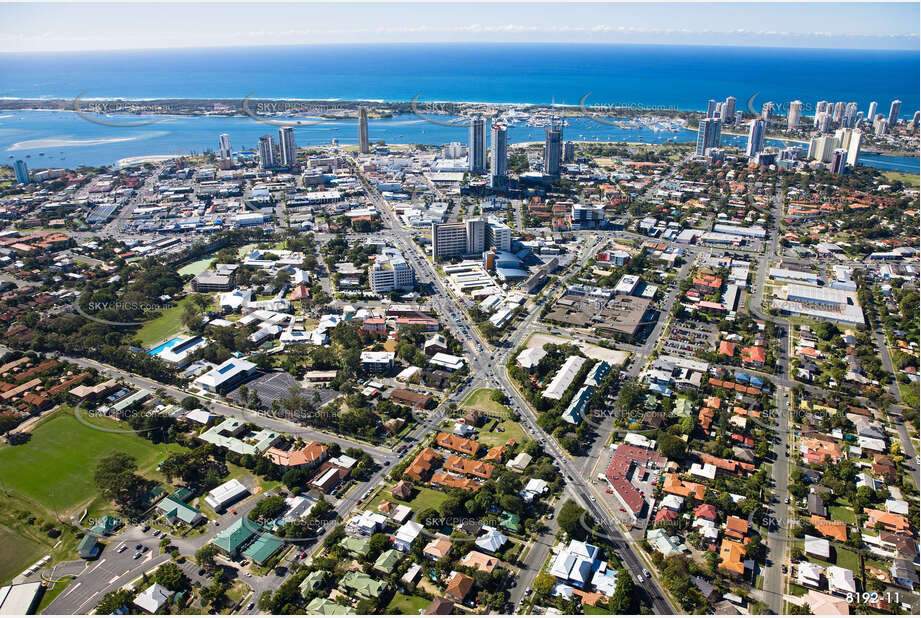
<point>622,600</point>
<point>204,557</point>
<point>570,519</point>
<point>543,584</point>
<point>267,508</point>
<point>113,601</point>
<point>190,403</point>
<point>171,577</point>
<point>116,479</point>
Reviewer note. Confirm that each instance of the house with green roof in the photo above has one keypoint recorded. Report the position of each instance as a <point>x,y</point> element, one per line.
<point>325,607</point>
<point>231,539</point>
<point>176,510</point>
<point>263,548</point>
<point>388,561</point>
<point>510,521</point>
<point>312,582</point>
<point>88,547</point>
<point>362,585</point>
<point>356,546</point>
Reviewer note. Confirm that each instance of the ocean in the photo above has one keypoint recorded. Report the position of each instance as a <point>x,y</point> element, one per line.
<point>644,76</point>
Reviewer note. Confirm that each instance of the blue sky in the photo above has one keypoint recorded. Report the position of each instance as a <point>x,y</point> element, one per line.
<point>58,27</point>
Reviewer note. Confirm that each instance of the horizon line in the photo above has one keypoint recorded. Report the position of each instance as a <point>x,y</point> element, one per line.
<point>466,44</point>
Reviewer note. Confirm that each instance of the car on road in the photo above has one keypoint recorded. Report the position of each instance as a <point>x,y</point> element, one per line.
<point>250,605</point>
<point>646,573</point>
<point>786,500</point>
<point>783,568</point>
<point>639,579</point>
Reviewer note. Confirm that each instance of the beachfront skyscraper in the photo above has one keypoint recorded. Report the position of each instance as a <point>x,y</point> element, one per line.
<point>838,112</point>
<point>871,113</point>
<point>850,113</point>
<point>476,147</point>
<point>364,147</point>
<point>224,146</point>
<point>766,111</point>
<point>22,172</point>
<point>755,138</point>
<point>286,147</point>
<point>708,134</point>
<point>553,147</point>
<point>728,112</point>
<point>266,152</point>
<point>498,166</point>
<point>894,110</point>
<point>838,161</point>
<point>711,108</point>
<point>793,116</point>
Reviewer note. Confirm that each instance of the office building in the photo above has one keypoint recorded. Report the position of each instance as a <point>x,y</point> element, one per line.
<point>449,239</point>
<point>477,146</point>
<point>470,237</point>
<point>708,134</point>
<point>498,167</point>
<point>583,216</point>
<point>390,271</point>
<point>793,116</point>
<point>364,146</point>
<point>22,172</point>
<point>224,146</point>
<point>755,138</point>
<point>711,108</point>
<point>871,113</point>
<point>287,148</point>
<point>553,148</point>
<point>838,161</point>
<point>894,110</point>
<point>266,152</point>
<point>766,111</point>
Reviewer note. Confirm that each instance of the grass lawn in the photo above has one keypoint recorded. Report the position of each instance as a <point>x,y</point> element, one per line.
<point>493,438</point>
<point>481,399</point>
<point>591,610</point>
<point>167,324</point>
<point>847,559</point>
<point>17,553</point>
<point>424,498</point>
<point>907,179</point>
<point>406,605</point>
<point>56,467</point>
<point>840,513</point>
<point>52,594</point>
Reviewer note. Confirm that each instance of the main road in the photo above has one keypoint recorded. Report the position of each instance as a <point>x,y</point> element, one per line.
<point>483,363</point>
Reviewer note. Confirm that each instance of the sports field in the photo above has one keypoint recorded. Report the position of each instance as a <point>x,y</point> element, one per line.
<point>56,467</point>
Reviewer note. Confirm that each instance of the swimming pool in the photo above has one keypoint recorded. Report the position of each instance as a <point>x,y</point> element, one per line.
<point>164,346</point>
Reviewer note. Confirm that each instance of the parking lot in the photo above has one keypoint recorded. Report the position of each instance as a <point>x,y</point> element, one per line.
<point>277,385</point>
<point>687,338</point>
